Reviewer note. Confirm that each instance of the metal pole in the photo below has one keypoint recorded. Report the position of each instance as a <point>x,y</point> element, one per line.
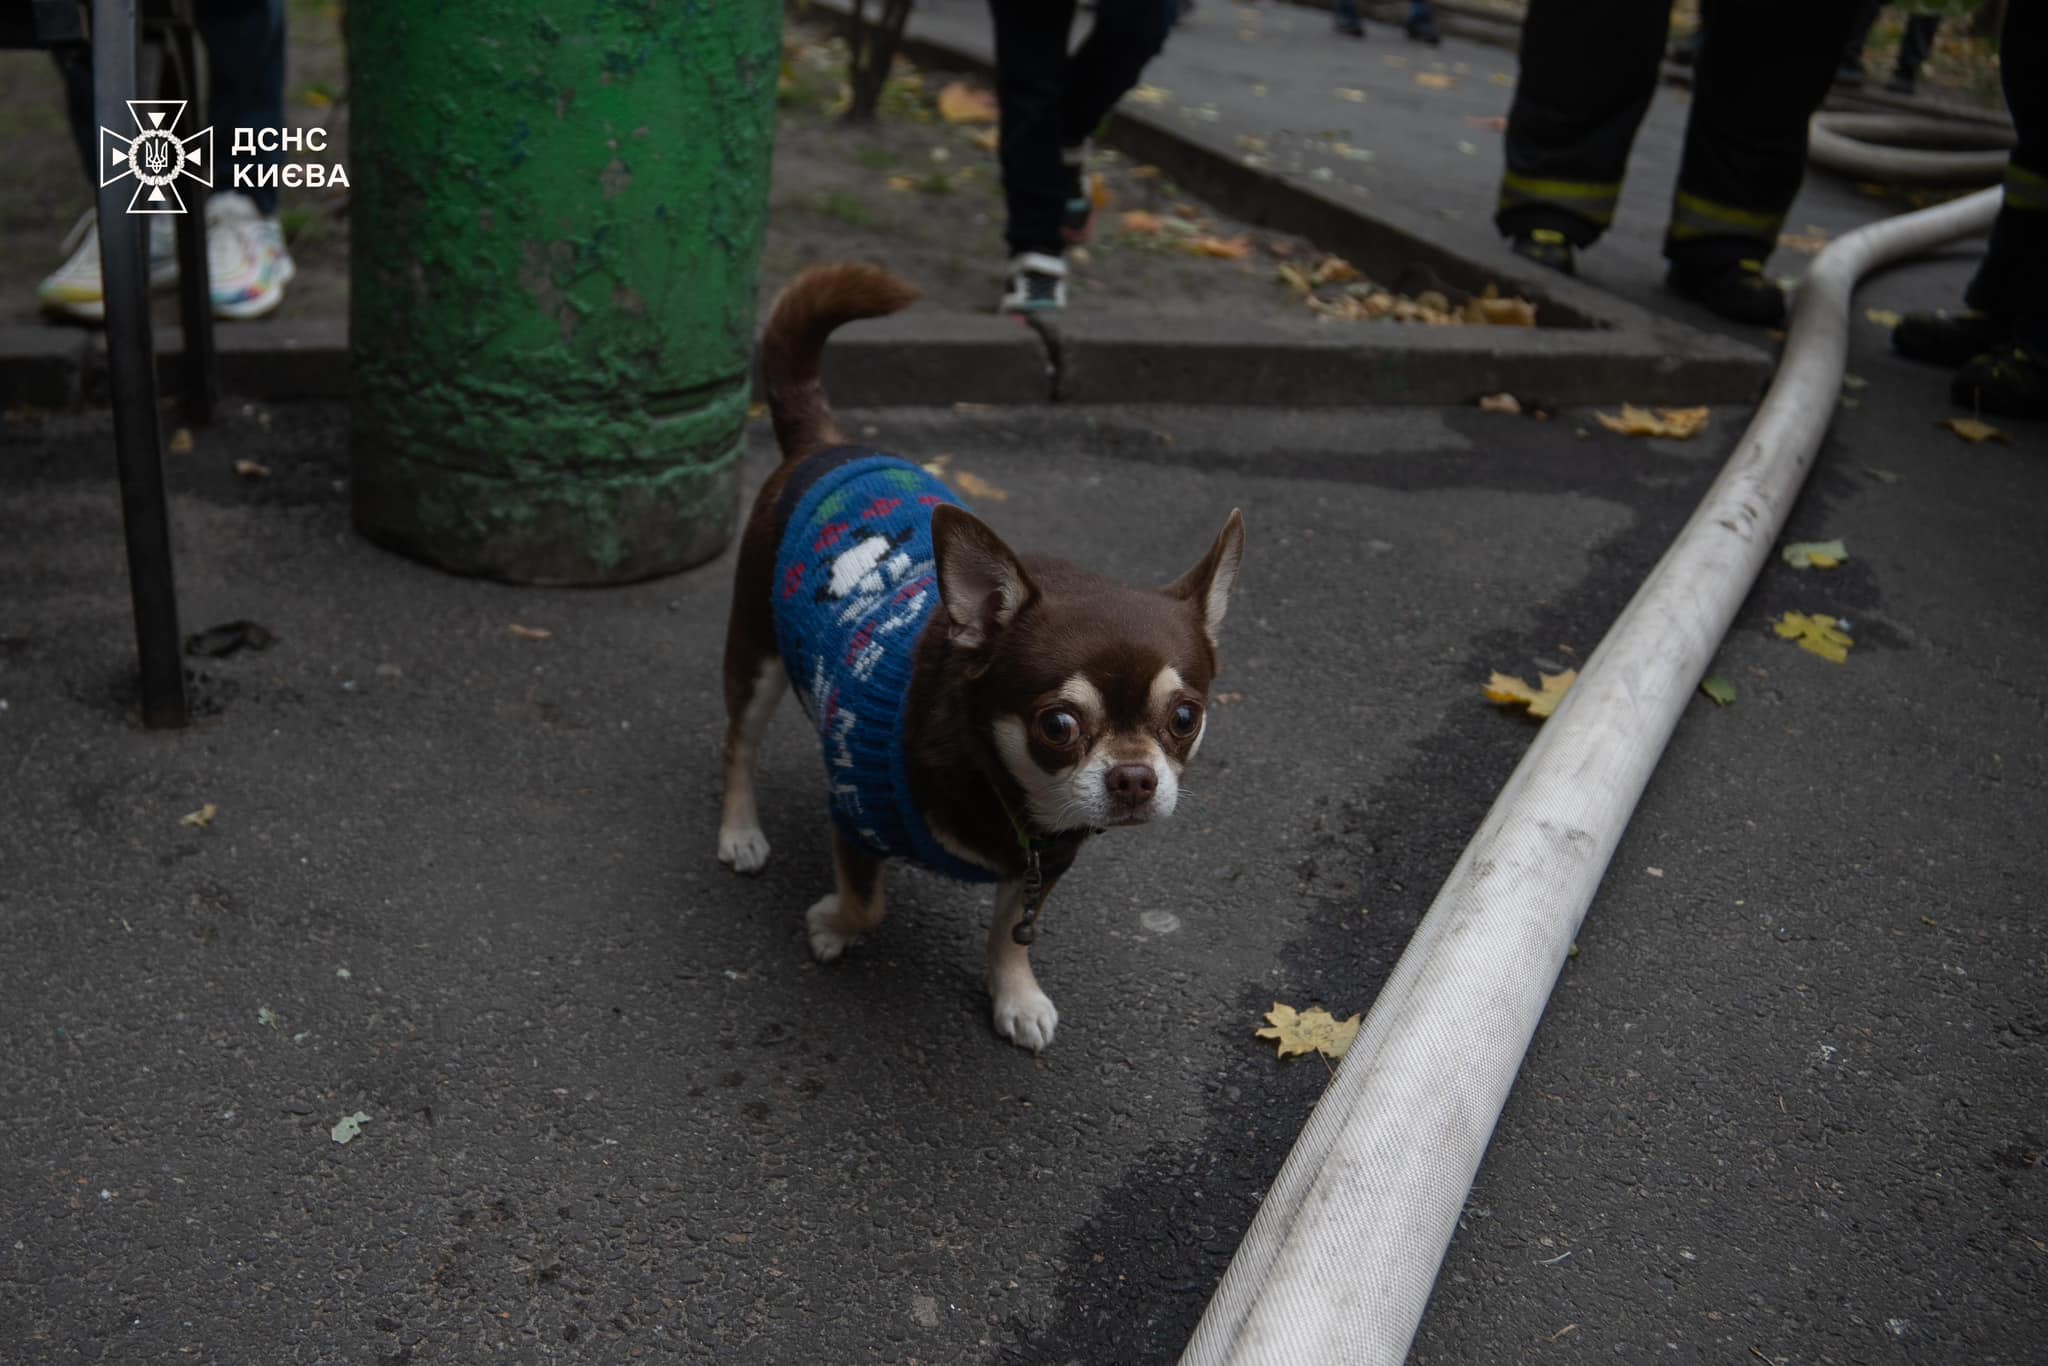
<point>131,367</point>
<point>199,375</point>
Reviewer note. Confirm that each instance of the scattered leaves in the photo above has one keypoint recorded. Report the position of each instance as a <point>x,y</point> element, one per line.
<point>1142,224</point>
<point>1718,688</point>
<point>1501,403</point>
<point>1974,430</point>
<point>348,1126</point>
<point>1502,312</point>
<point>960,102</point>
<point>902,182</point>
<point>252,469</point>
<point>1296,279</point>
<point>1435,80</point>
<point>531,632</point>
<point>1815,554</point>
<point>1817,634</point>
<point>1509,691</point>
<point>1314,1030</point>
<point>201,818</point>
<point>1335,270</point>
<point>1883,317</point>
<point>1149,94</point>
<point>1679,423</point>
<point>180,442</point>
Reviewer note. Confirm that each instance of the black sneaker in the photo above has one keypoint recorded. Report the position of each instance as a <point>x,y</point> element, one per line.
<point>1038,284</point>
<point>2005,381</point>
<point>1422,28</point>
<point>1741,293</point>
<point>1547,247</point>
<point>1948,339</point>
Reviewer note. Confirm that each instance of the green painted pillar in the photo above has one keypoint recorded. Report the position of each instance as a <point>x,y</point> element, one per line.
<point>555,222</point>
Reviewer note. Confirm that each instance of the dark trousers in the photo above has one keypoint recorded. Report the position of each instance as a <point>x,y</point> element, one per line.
<point>1589,69</point>
<point>1915,42</point>
<point>2014,276</point>
<point>1051,99</point>
<point>245,87</point>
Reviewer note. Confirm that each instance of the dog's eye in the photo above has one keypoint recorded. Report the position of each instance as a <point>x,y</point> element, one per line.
<point>1185,718</point>
<point>1059,728</point>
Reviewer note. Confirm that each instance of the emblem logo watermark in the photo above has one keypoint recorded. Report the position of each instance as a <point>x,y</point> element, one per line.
<point>156,156</point>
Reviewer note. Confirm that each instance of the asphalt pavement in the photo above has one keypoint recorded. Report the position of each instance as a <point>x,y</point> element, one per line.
<point>1786,1104</point>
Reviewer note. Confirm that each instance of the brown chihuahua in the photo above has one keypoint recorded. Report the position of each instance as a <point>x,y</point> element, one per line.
<point>982,713</point>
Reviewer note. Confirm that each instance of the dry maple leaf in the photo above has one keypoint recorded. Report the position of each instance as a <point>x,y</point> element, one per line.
<point>1679,423</point>
<point>201,818</point>
<point>252,469</point>
<point>1335,270</point>
<point>1973,430</point>
<point>1500,403</point>
<point>988,139</point>
<point>1143,224</point>
<point>902,182</point>
<point>531,632</point>
<point>1502,312</point>
<point>1295,278</point>
<point>1353,96</point>
<point>180,442</point>
<point>1149,94</point>
<point>1508,690</point>
<point>1817,633</point>
<point>1815,554</point>
<point>1314,1030</point>
<point>974,486</point>
<point>1435,80</point>
<point>1492,123</point>
<point>960,102</point>
<point>1224,248</point>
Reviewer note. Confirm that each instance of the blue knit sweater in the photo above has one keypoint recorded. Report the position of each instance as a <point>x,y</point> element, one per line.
<point>855,583</point>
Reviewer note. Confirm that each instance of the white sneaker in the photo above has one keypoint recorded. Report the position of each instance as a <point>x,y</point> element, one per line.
<point>1038,284</point>
<point>74,289</point>
<point>247,266</point>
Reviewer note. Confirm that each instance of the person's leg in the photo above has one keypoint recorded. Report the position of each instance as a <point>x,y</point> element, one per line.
<point>2012,379</point>
<point>1763,69</point>
<point>1347,17</point>
<point>1589,68</point>
<point>1849,71</point>
<point>1126,35</point>
<point>1031,74</point>
<point>245,87</point>
<point>1915,45</point>
<point>1422,22</point>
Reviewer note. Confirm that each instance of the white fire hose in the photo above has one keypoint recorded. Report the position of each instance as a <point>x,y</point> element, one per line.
<point>1339,1263</point>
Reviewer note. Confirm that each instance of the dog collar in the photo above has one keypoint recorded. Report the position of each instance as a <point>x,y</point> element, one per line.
<point>1034,846</point>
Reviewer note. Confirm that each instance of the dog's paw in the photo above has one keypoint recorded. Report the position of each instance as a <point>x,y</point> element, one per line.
<point>1026,1018</point>
<point>745,851</point>
<point>827,940</point>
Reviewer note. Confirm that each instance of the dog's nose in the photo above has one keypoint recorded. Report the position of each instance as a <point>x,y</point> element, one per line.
<point>1132,784</point>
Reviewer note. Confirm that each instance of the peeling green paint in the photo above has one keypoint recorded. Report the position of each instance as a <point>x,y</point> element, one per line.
<point>556,225</point>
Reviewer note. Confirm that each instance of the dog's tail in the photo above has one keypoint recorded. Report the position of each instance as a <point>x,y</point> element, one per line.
<point>805,314</point>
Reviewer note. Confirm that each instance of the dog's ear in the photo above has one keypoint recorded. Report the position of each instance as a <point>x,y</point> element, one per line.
<point>981,582</point>
<point>1208,584</point>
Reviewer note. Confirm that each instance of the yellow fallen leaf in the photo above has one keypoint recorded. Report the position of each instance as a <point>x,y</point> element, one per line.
<point>1883,317</point>
<point>1974,430</point>
<point>1145,173</point>
<point>1502,312</point>
<point>974,486</point>
<point>1314,1030</point>
<point>1142,224</point>
<point>1295,278</point>
<point>988,139</point>
<point>1680,423</point>
<point>180,442</point>
<point>1098,191</point>
<point>936,466</point>
<point>756,411</point>
<point>252,469</point>
<point>960,102</point>
<point>531,632</point>
<point>201,818</point>
<point>1354,96</point>
<point>1435,80</point>
<point>1335,270</point>
<point>1817,633</point>
<point>1807,243</point>
<point>1149,94</point>
<point>1508,690</point>
<point>902,182</point>
<point>1815,554</point>
<point>1224,248</point>
<point>1500,403</point>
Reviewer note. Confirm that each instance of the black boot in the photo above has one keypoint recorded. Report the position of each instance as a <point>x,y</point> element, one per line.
<point>2005,381</point>
<point>1948,339</point>
<point>1739,292</point>
<point>1547,247</point>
